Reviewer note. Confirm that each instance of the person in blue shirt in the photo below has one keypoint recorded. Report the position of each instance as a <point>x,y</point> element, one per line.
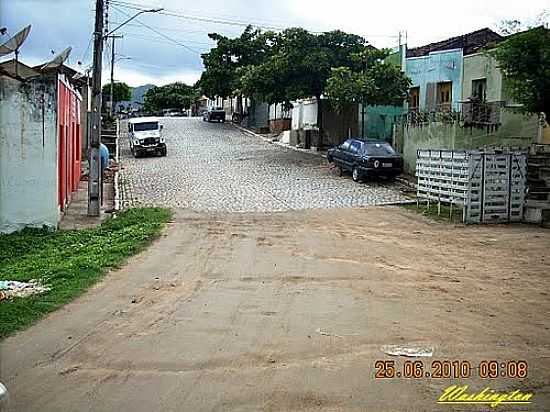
<point>104,154</point>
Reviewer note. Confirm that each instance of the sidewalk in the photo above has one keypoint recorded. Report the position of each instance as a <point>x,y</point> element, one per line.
<point>76,215</point>
<point>321,153</point>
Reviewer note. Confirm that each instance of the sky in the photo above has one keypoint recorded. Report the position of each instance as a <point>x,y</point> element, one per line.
<point>169,48</point>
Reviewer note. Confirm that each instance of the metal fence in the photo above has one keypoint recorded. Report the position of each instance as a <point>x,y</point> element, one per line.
<point>489,186</point>
<point>468,113</point>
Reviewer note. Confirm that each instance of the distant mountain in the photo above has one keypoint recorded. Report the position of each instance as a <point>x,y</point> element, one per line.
<point>138,95</point>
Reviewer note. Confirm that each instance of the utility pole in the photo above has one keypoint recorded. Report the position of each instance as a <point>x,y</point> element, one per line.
<point>94,119</point>
<point>114,37</point>
<point>94,161</point>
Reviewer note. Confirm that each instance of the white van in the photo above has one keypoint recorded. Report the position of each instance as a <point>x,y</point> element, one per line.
<point>145,135</point>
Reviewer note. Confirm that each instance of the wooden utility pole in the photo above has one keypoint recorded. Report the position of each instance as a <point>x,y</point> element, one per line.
<point>94,161</point>
<point>114,37</point>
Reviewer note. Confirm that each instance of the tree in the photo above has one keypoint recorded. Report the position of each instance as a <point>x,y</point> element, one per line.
<point>368,78</point>
<point>524,59</point>
<point>225,62</point>
<point>299,66</point>
<point>512,26</point>
<point>171,96</point>
<point>376,82</point>
<point>121,92</point>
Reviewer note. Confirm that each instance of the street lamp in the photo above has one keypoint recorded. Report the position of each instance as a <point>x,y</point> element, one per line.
<point>110,34</point>
<point>132,18</point>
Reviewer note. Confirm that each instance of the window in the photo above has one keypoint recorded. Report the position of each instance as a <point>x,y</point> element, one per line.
<point>444,95</point>
<point>479,89</point>
<point>414,98</point>
<point>355,146</point>
<point>346,145</point>
<point>142,127</point>
<point>379,149</point>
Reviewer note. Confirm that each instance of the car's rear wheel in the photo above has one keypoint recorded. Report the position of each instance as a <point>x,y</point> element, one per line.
<point>355,174</point>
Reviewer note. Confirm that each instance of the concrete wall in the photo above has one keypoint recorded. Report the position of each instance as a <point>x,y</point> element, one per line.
<point>304,114</point>
<point>515,130</point>
<point>482,66</point>
<point>379,121</point>
<point>441,66</point>
<point>258,114</point>
<point>278,111</point>
<point>336,126</point>
<point>28,154</point>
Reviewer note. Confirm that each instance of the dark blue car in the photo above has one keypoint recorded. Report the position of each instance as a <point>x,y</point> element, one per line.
<point>366,158</point>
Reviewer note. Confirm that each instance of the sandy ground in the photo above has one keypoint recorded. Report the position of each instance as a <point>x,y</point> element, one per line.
<point>288,312</point>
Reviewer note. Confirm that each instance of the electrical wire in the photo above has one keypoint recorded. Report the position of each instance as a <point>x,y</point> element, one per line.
<point>161,34</point>
<point>85,55</point>
<point>159,40</point>
<point>173,13</point>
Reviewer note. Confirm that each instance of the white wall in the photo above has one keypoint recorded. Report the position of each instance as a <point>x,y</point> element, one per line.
<point>28,154</point>
<point>304,114</point>
<point>277,111</point>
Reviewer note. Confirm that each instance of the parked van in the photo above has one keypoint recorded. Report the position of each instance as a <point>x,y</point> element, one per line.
<point>145,135</point>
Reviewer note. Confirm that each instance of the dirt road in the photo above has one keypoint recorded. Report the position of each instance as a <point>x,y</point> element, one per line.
<point>288,312</point>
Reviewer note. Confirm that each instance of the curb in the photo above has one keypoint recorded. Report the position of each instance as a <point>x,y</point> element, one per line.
<point>265,139</point>
<point>116,181</point>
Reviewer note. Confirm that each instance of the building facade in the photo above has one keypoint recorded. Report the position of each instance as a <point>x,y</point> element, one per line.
<point>40,147</point>
<point>436,81</point>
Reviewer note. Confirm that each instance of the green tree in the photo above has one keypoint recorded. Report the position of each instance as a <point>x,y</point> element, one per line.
<point>299,66</point>
<point>121,92</point>
<point>371,80</point>
<point>524,59</point>
<point>225,62</point>
<point>171,96</point>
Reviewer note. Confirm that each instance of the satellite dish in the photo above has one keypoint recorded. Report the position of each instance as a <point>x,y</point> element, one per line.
<point>14,43</point>
<point>58,60</point>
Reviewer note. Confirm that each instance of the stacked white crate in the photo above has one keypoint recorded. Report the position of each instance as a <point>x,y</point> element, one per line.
<point>490,187</point>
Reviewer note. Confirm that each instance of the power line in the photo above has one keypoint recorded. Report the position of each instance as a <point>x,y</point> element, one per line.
<point>162,34</point>
<point>230,22</point>
<point>168,29</point>
<point>85,55</point>
<point>159,40</point>
<point>215,20</point>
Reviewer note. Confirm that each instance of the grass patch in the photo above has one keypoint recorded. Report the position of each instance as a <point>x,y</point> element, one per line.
<point>69,261</point>
<point>431,212</point>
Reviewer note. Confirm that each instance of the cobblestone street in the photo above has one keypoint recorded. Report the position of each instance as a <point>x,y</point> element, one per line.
<point>215,167</point>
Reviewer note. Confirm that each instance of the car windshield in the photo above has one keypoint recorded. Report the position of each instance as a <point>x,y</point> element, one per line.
<point>142,127</point>
<point>378,149</point>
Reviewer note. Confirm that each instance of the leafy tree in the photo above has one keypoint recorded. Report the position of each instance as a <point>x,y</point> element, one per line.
<point>508,27</point>
<point>299,66</point>
<point>171,96</point>
<point>377,83</point>
<point>121,92</point>
<point>225,62</point>
<point>513,26</point>
<point>524,59</point>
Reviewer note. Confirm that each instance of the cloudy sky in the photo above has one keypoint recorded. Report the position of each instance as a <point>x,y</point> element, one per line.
<point>169,48</point>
